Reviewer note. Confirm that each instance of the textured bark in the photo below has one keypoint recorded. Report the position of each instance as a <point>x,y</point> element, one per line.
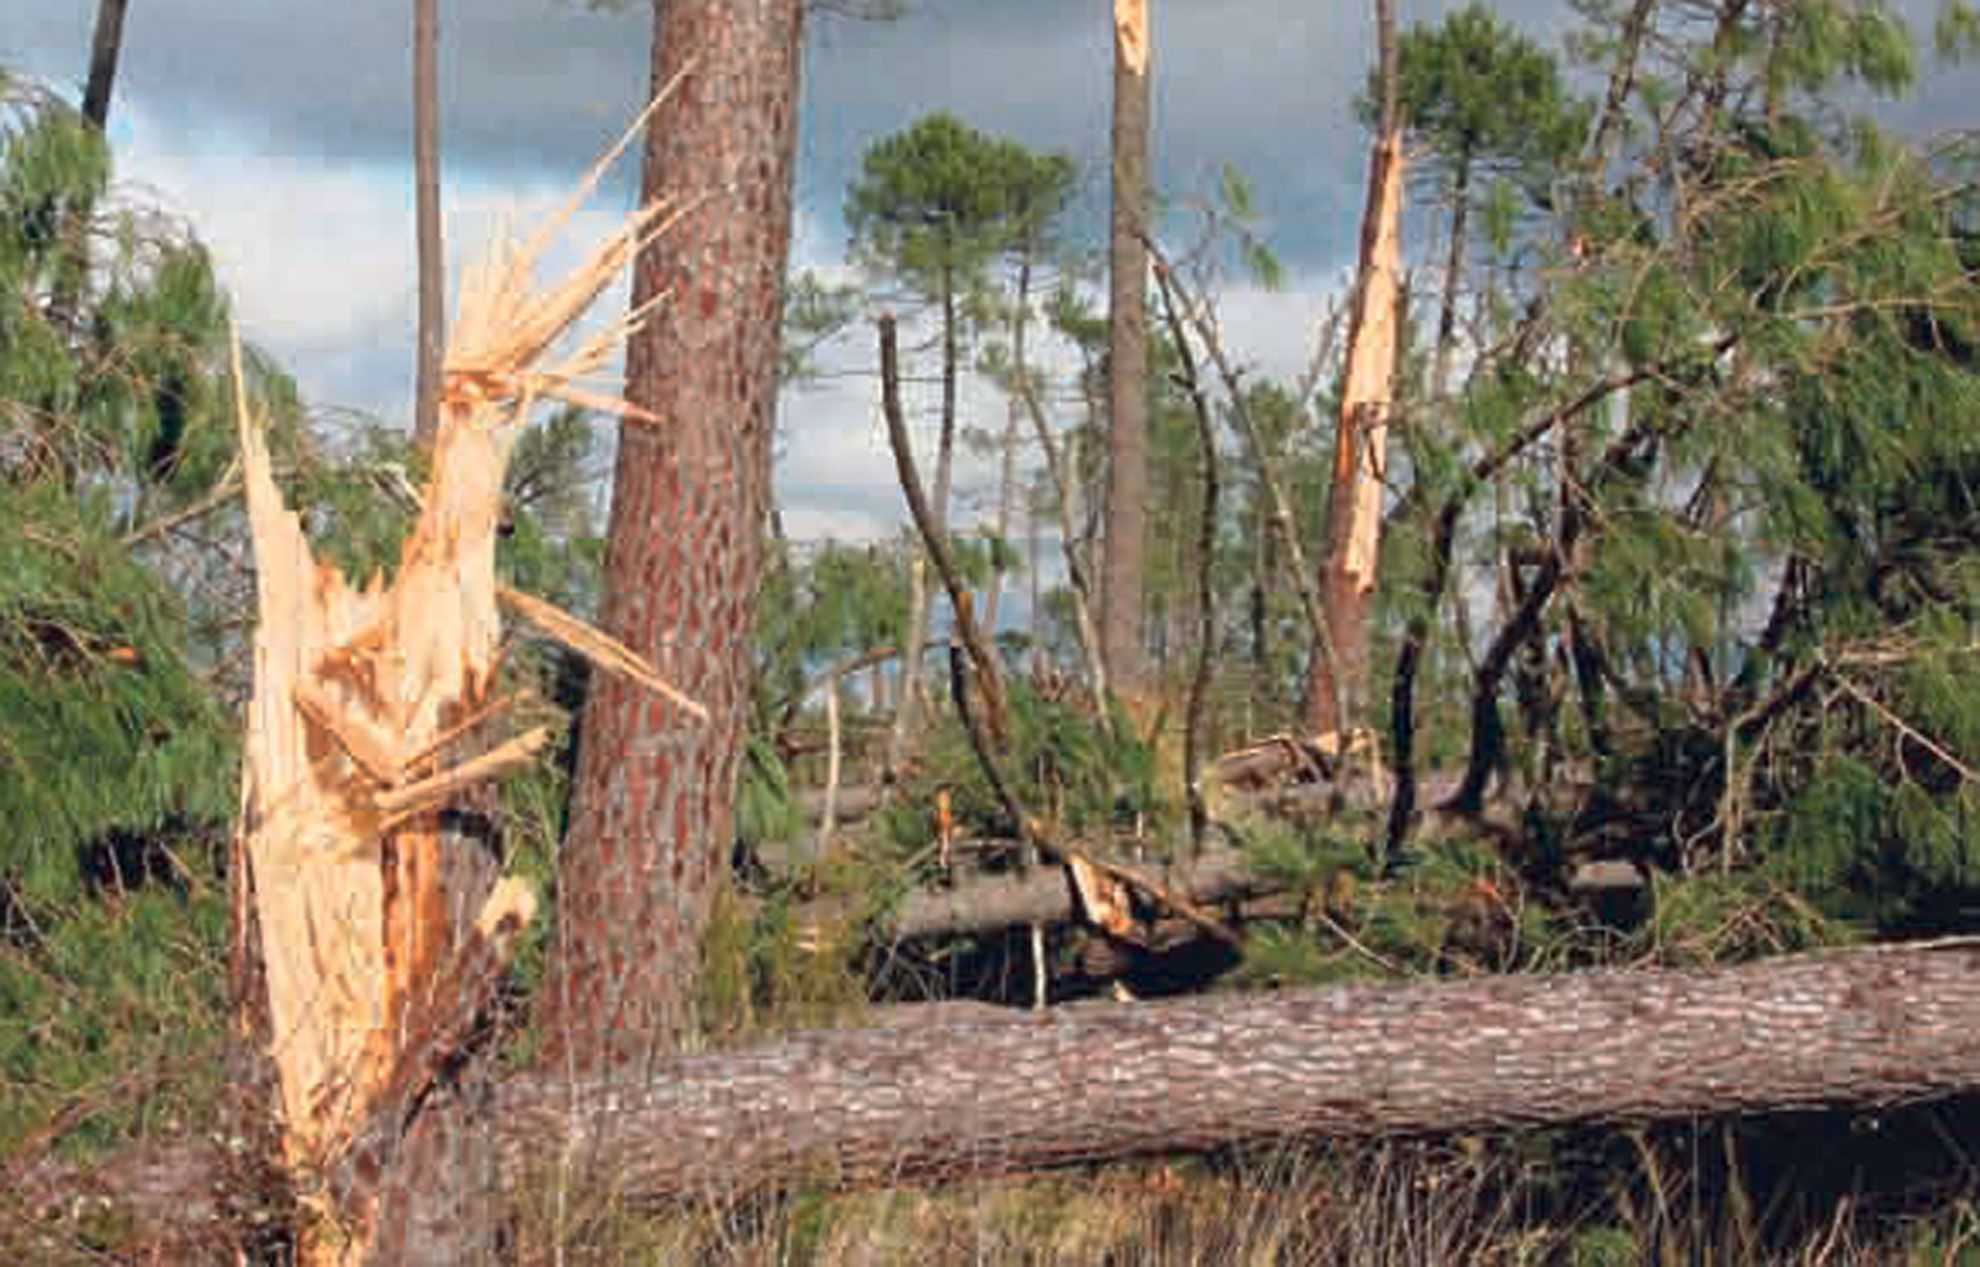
<point>1095,1082</point>
<point>653,800</point>
<point>432,334</point>
<point>911,1101</point>
<point>1127,444</point>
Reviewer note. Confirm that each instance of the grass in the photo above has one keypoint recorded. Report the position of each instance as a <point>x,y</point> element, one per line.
<point>1371,1205</point>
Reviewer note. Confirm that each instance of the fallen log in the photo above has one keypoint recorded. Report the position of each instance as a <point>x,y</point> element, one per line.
<point>1095,1082</point>
<point>1042,895</point>
<point>968,1094</point>
<point>982,904</point>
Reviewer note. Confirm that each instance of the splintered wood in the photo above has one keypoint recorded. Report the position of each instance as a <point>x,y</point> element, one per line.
<point>1361,458</point>
<point>364,696</point>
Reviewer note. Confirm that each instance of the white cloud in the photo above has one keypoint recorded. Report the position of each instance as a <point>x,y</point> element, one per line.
<point>312,253</point>
<point>319,258</point>
<point>1275,332</point>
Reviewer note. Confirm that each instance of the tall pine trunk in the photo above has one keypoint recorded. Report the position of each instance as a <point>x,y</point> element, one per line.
<point>105,48</point>
<point>1337,681</point>
<point>1440,372</point>
<point>653,808</point>
<point>426,185</point>
<point>1127,482</point>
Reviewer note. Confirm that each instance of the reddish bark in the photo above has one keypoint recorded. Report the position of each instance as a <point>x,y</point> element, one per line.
<point>651,821</point>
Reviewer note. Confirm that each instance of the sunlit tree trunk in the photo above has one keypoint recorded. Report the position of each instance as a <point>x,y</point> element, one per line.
<point>652,817</point>
<point>1337,682</point>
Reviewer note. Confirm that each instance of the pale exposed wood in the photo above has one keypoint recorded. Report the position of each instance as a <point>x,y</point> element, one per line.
<point>1104,899</point>
<point>1337,683</point>
<point>828,817</point>
<point>1362,454</point>
<point>1131,33</point>
<point>600,648</point>
<point>357,694</point>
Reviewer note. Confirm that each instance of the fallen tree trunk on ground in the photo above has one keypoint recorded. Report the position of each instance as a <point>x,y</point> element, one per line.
<point>1857,1029</point>
<point>990,904</point>
<point>1867,1028</point>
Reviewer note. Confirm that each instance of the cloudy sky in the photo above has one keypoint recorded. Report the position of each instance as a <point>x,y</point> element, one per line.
<point>282,132</point>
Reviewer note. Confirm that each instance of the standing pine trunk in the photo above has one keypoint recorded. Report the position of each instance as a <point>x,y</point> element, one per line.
<point>105,47</point>
<point>653,805</point>
<point>1440,370</point>
<point>1337,681</point>
<point>1127,483</point>
<point>426,187</point>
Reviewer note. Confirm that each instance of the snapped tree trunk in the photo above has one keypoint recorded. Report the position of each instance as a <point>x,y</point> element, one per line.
<point>653,801</point>
<point>1127,355</point>
<point>1337,682</point>
<point>370,930</point>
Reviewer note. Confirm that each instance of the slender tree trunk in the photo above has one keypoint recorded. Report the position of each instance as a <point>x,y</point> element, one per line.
<point>907,696</point>
<point>1440,365</point>
<point>1127,448</point>
<point>105,49</point>
<point>1013,421</point>
<point>653,807</point>
<point>1078,580</point>
<point>426,184</point>
<point>920,587</point>
<point>1337,681</point>
<point>945,445</point>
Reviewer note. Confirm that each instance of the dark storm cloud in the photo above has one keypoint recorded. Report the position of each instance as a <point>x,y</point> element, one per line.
<point>532,88</point>
<point>535,86</point>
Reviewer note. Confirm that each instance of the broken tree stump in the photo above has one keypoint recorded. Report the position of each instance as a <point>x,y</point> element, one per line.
<point>370,937</point>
